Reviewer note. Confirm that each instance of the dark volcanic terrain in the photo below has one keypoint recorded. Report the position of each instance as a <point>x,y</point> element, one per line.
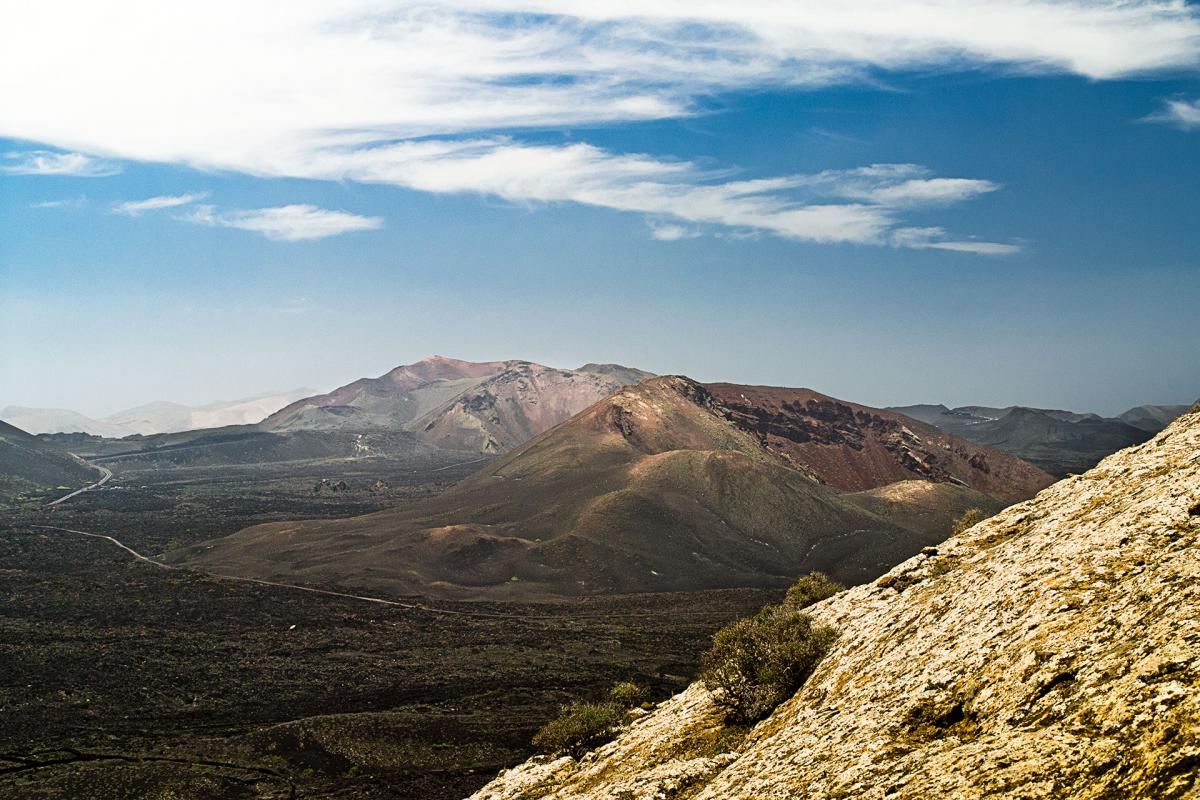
<point>120,679</point>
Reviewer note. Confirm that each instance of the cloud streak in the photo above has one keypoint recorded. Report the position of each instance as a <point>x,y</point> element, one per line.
<point>48,162</point>
<point>1181,113</point>
<point>291,223</point>
<point>133,208</point>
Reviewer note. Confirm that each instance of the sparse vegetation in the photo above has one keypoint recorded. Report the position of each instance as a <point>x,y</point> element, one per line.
<point>759,662</point>
<point>811,588</point>
<point>627,694</point>
<point>970,518</point>
<point>579,727</point>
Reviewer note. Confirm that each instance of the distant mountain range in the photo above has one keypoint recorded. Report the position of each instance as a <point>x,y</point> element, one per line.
<point>152,418</point>
<point>666,485</point>
<point>487,407</point>
<point>1059,442</point>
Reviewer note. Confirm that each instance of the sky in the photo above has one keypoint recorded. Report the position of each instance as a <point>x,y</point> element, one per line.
<point>896,202</point>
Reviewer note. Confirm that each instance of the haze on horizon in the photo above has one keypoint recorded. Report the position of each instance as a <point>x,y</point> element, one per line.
<point>991,204</point>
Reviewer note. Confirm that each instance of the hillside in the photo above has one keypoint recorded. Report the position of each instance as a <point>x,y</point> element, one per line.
<point>1049,652</point>
<point>660,487</point>
<point>487,407</point>
<point>27,464</point>
<point>1060,442</point>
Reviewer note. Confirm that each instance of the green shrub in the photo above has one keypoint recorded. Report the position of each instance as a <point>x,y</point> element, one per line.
<point>579,727</point>
<point>970,518</point>
<point>627,694</point>
<point>811,588</point>
<point>761,661</point>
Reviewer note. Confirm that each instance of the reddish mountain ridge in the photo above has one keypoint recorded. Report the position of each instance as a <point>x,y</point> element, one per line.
<point>661,486</point>
<point>854,447</point>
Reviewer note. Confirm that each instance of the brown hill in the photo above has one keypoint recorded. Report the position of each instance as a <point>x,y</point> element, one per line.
<point>661,486</point>
<point>1049,652</point>
<point>487,407</point>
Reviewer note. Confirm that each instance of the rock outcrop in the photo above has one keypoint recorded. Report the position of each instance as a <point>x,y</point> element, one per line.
<point>1052,651</point>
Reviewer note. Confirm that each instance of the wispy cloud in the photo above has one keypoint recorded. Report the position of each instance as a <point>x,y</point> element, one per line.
<point>133,208</point>
<point>75,202</point>
<point>858,206</point>
<point>1181,113</point>
<point>48,162</point>
<point>936,239</point>
<point>292,223</point>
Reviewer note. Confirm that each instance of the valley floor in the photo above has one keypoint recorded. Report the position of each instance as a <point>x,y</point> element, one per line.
<point>119,679</point>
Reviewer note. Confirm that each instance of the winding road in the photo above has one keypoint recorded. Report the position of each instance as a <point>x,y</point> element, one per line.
<point>105,473</point>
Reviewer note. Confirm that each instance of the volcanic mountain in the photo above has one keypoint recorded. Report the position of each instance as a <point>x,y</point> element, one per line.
<point>1051,651</point>
<point>487,407</point>
<point>1059,442</point>
<point>667,485</point>
<point>27,463</point>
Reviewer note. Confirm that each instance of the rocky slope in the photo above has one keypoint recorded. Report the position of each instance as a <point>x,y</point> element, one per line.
<point>663,486</point>
<point>1052,651</point>
<point>485,407</point>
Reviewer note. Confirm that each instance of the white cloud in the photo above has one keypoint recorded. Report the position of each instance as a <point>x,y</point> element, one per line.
<point>133,208</point>
<point>1180,113</point>
<point>672,233</point>
<point>408,94</point>
<point>292,223</point>
<point>47,162</point>
<point>223,83</point>
<point>804,207</point>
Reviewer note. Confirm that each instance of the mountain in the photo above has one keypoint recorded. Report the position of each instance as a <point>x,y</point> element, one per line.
<point>487,407</point>
<point>667,485</point>
<point>29,464</point>
<point>1152,418</point>
<point>1048,652</point>
<point>59,420</point>
<point>1060,442</point>
<point>152,418</point>
<point>157,417</point>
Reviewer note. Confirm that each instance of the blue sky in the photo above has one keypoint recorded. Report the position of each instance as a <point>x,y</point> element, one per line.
<point>952,211</point>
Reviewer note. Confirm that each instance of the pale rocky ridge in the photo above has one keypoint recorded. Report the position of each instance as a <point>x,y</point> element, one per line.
<point>152,418</point>
<point>1052,651</point>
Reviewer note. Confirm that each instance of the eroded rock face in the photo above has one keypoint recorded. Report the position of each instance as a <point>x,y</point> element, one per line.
<point>1052,651</point>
